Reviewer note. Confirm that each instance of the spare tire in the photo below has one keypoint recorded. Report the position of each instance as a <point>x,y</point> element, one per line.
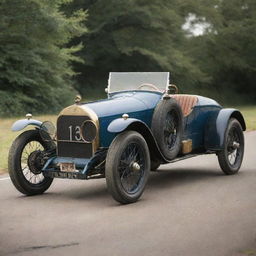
<point>167,127</point>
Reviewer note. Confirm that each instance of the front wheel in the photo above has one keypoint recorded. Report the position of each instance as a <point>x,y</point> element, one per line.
<point>231,157</point>
<point>25,163</point>
<point>127,167</point>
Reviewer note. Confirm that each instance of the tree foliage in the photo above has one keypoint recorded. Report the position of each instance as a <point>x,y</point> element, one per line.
<point>35,70</point>
<point>40,41</point>
<point>227,52</point>
<point>140,35</point>
<point>135,35</point>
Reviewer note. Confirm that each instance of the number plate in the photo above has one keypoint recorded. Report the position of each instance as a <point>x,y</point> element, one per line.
<point>68,167</point>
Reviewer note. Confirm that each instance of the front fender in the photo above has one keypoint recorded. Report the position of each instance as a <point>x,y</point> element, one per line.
<point>217,125</point>
<point>120,125</point>
<point>23,123</point>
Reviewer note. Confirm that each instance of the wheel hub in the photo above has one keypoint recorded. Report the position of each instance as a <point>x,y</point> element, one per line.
<point>236,145</point>
<point>35,162</point>
<point>233,146</point>
<point>135,167</point>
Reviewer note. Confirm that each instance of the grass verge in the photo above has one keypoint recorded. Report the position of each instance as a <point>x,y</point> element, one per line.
<point>249,113</point>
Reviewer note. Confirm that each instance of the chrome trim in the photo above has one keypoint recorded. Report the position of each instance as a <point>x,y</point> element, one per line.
<point>28,116</point>
<point>125,116</point>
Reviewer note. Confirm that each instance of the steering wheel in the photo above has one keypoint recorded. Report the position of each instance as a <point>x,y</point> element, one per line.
<point>149,85</point>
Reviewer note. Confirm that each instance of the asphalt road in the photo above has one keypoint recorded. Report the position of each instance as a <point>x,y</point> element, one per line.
<point>188,208</point>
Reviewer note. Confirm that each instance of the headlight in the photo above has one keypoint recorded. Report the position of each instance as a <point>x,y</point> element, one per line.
<point>47,131</point>
<point>88,131</point>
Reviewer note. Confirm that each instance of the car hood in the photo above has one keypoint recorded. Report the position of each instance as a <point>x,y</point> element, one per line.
<point>126,102</point>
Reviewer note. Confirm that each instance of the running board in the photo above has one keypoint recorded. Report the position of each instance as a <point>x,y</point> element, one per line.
<point>187,157</point>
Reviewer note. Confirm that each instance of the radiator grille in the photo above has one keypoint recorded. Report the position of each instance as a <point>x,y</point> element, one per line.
<point>69,139</point>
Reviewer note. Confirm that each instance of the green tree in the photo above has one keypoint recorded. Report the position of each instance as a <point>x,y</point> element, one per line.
<point>35,63</point>
<point>135,35</point>
<point>227,52</point>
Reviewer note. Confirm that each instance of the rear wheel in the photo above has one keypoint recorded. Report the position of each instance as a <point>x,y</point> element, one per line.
<point>127,167</point>
<point>231,157</point>
<point>25,163</point>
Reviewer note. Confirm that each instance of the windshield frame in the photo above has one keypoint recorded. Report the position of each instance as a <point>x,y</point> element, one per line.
<point>164,81</point>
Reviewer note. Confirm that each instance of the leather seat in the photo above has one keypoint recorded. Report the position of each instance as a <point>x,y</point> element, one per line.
<point>187,102</point>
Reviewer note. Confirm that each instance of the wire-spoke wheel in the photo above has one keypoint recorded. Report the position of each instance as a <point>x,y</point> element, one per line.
<point>171,129</point>
<point>231,157</point>
<point>26,160</point>
<point>167,127</point>
<point>127,167</point>
<point>30,162</point>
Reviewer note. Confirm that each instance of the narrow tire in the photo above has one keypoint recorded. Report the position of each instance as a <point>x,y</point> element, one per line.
<point>231,157</point>
<point>128,150</point>
<point>15,168</point>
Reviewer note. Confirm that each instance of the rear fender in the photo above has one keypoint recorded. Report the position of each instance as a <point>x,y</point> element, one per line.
<point>120,125</point>
<point>217,125</point>
<point>23,123</point>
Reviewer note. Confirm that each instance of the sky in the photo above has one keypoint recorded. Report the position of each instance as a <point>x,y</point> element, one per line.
<point>195,29</point>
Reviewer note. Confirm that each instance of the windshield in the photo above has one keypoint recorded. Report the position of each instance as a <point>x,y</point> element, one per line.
<point>127,81</point>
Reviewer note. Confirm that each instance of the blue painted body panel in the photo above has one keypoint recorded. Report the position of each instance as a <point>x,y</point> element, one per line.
<point>137,104</point>
<point>216,127</point>
<point>205,125</point>
<point>196,122</point>
<point>140,105</point>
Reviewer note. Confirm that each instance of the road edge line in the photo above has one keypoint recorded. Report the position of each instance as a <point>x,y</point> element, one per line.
<point>5,178</point>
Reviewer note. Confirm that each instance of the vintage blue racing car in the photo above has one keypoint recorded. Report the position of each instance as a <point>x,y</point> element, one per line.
<point>143,123</point>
